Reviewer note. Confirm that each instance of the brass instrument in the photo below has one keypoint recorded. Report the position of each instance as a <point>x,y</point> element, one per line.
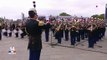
<point>58,28</point>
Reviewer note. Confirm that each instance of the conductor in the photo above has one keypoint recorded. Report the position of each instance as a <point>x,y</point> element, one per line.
<point>34,31</point>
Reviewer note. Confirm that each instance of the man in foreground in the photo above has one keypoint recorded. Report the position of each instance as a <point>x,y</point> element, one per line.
<point>34,31</point>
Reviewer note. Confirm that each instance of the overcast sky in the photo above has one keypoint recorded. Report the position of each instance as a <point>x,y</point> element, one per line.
<point>12,9</point>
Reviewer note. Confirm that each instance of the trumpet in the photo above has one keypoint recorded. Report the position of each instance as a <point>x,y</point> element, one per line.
<point>41,23</point>
<point>58,28</point>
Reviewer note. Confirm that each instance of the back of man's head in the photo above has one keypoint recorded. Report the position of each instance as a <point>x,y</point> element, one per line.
<point>32,12</point>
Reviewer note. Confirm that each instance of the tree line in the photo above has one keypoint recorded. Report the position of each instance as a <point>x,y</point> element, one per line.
<point>100,16</point>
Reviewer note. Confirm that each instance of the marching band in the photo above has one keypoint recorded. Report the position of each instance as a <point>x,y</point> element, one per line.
<point>74,30</point>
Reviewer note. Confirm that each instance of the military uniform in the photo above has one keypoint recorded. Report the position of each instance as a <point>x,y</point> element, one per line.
<point>35,44</point>
<point>34,30</point>
<point>47,30</point>
<point>23,31</point>
<point>66,31</point>
<point>78,35</point>
<point>17,32</point>
<point>91,34</point>
<point>58,33</point>
<point>73,35</point>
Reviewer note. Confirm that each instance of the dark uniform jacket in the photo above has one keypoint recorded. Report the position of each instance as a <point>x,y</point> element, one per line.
<point>47,27</point>
<point>34,32</point>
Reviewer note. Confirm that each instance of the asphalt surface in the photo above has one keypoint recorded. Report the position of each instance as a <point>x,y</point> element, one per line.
<point>53,52</point>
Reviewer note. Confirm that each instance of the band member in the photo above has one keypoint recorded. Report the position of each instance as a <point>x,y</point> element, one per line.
<point>91,36</point>
<point>73,35</point>
<point>62,31</point>
<point>5,32</point>
<point>77,33</point>
<point>16,32</point>
<point>23,33</point>
<point>34,30</point>
<point>82,32</point>
<point>10,34</point>
<point>47,30</point>
<point>58,33</point>
<point>66,32</point>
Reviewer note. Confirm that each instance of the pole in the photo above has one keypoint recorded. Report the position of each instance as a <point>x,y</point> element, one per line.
<point>106,13</point>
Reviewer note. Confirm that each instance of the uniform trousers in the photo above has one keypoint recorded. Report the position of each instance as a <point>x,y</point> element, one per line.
<point>34,54</point>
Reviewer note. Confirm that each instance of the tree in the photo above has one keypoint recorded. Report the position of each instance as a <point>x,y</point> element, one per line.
<point>1,20</point>
<point>64,14</point>
<point>95,16</point>
<point>101,16</point>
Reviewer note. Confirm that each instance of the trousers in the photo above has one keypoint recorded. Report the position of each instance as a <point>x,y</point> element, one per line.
<point>34,54</point>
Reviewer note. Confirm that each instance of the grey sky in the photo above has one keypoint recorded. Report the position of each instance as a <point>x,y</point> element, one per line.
<point>12,9</point>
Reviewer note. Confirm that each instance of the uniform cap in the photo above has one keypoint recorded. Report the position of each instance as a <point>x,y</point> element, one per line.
<point>33,9</point>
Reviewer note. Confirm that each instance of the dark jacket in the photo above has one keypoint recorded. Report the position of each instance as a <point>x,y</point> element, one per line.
<point>34,32</point>
<point>47,27</point>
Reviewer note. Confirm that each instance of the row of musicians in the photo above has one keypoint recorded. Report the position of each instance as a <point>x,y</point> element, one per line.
<point>77,34</point>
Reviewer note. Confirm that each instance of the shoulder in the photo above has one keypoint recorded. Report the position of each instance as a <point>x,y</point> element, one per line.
<point>31,21</point>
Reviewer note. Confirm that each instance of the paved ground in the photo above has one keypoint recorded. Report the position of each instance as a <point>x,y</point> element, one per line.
<point>63,52</point>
